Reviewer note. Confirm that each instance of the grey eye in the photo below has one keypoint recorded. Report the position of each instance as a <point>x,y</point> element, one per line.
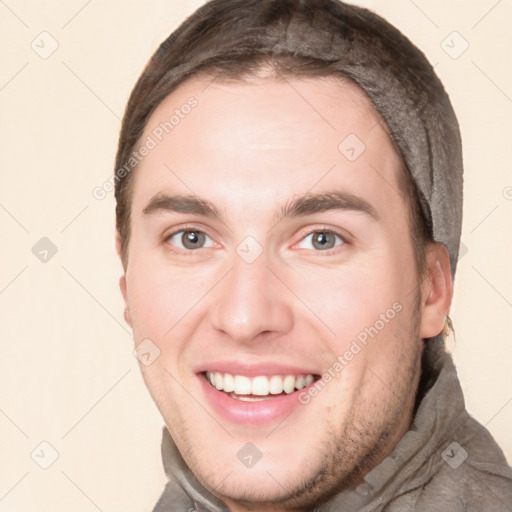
<point>189,239</point>
<point>322,240</point>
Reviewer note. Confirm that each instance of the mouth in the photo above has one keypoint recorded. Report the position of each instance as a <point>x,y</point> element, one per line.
<point>262,387</point>
<point>255,400</point>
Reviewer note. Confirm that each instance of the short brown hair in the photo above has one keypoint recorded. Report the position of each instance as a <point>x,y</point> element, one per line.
<point>234,39</point>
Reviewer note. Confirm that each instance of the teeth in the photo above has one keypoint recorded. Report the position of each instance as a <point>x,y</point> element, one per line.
<point>228,383</point>
<point>289,384</point>
<point>276,385</point>
<point>258,386</point>
<point>246,398</point>
<point>242,384</point>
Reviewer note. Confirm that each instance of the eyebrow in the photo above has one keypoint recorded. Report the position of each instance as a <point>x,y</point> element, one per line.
<point>306,204</point>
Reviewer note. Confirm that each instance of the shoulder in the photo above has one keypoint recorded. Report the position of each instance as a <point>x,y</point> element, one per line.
<point>472,474</point>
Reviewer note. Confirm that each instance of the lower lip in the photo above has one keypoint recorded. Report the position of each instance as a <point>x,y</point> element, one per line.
<point>250,413</point>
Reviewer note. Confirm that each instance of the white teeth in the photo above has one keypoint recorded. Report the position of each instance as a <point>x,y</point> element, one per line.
<point>276,385</point>
<point>258,386</point>
<point>289,384</point>
<point>246,398</point>
<point>242,385</point>
<point>229,383</point>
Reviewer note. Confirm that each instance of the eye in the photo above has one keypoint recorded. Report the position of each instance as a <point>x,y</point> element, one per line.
<point>321,240</point>
<point>189,239</point>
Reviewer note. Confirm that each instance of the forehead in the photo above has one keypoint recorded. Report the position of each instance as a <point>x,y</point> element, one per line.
<point>266,140</point>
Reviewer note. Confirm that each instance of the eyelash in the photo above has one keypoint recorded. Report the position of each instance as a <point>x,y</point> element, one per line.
<point>344,239</point>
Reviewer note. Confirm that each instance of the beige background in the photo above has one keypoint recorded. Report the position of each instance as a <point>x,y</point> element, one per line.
<point>67,373</point>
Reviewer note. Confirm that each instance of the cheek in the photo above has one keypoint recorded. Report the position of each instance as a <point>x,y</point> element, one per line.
<point>363,310</point>
<point>348,299</point>
<point>161,307</point>
<point>158,300</point>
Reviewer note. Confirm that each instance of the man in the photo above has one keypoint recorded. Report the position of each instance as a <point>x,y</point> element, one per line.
<point>289,206</point>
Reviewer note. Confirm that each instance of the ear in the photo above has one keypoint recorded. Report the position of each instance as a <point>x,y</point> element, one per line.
<point>122,286</point>
<point>436,291</point>
<point>122,282</point>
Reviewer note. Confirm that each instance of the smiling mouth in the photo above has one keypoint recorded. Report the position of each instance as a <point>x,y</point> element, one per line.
<point>256,389</point>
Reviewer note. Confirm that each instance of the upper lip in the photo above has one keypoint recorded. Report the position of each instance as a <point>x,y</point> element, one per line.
<point>254,369</point>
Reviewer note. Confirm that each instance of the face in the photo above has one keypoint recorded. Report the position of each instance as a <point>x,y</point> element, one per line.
<point>271,266</point>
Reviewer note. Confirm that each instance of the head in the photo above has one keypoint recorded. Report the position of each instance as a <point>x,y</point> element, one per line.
<point>280,249</point>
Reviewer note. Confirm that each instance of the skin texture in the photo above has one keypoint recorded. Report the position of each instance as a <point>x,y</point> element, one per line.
<point>250,148</point>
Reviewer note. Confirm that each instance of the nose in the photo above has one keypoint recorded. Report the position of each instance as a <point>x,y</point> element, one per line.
<point>251,302</point>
